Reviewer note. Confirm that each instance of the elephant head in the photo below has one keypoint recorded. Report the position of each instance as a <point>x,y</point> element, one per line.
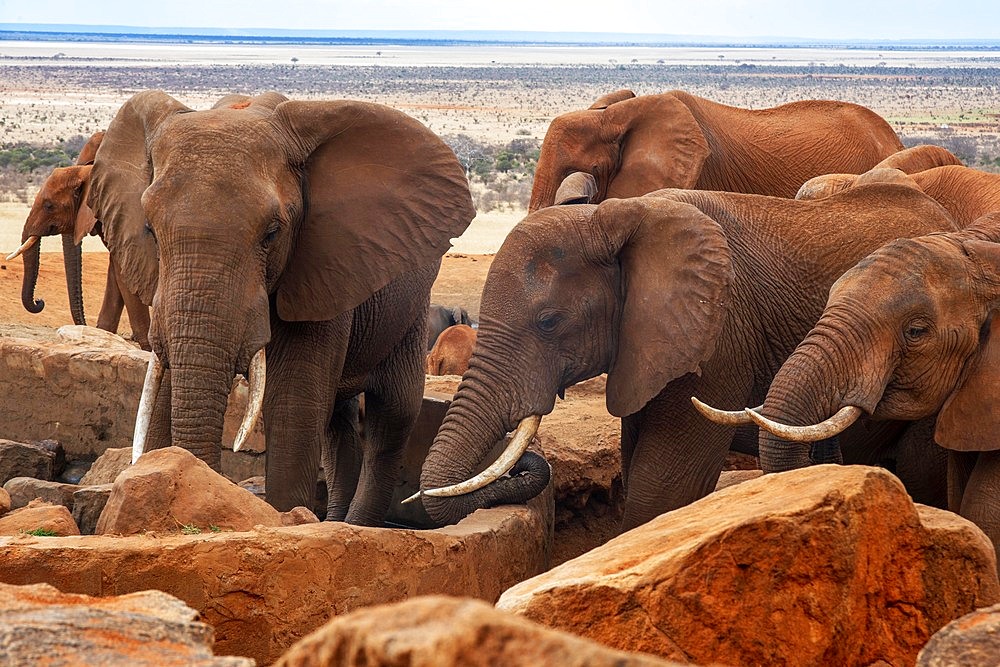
<point>909,332</point>
<point>630,145</point>
<point>227,219</point>
<point>636,288</point>
<point>60,207</point>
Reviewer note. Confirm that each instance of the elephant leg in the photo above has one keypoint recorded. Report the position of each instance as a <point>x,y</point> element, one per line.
<point>342,456</point>
<point>631,425</point>
<point>393,395</point>
<point>138,312</point>
<point>981,500</point>
<point>960,466</point>
<point>158,435</point>
<point>678,455</point>
<point>304,362</point>
<point>921,465</point>
<point>111,307</point>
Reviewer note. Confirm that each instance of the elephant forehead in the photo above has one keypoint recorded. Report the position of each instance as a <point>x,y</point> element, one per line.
<point>906,270</point>
<point>216,135</point>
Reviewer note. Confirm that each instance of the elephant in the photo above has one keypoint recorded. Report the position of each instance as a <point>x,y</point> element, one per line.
<point>60,208</point>
<point>452,351</point>
<point>909,333</point>
<point>294,242</point>
<point>633,145</point>
<point>967,194</point>
<point>676,293</point>
<point>441,317</point>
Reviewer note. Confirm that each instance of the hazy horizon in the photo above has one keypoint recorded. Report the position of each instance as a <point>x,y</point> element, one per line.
<point>729,20</point>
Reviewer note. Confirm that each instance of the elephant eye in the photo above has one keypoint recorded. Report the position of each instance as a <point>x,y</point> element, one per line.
<point>149,230</point>
<point>916,330</point>
<point>270,235</point>
<point>548,321</point>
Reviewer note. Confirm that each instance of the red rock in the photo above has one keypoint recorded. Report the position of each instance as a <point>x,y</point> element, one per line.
<point>169,490</point>
<point>830,565</point>
<point>434,630</point>
<point>39,516</point>
<point>970,641</point>
<point>41,626</point>
<point>21,459</point>
<point>298,516</point>
<point>264,590</point>
<point>113,462</point>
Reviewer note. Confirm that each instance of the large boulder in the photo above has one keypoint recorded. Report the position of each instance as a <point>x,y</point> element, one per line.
<point>88,504</point>
<point>22,459</point>
<point>434,630</point>
<point>264,590</point>
<point>39,518</point>
<point>23,490</point>
<point>41,626</point>
<point>970,641</point>
<point>821,566</point>
<point>113,462</point>
<point>170,490</point>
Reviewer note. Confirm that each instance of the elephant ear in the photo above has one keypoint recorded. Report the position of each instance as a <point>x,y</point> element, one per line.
<point>969,420</point>
<point>89,149</point>
<point>676,275</point>
<point>85,219</point>
<point>661,145</point>
<point>122,171</point>
<point>604,101</point>
<point>385,196</point>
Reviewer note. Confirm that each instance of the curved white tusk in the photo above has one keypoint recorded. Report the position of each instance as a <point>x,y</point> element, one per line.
<point>150,388</point>
<point>724,417</point>
<point>255,401</point>
<point>515,448</point>
<point>846,416</point>
<point>32,240</point>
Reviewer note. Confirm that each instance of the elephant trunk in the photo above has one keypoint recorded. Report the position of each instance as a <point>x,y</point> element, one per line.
<point>470,430</point>
<point>73,259</point>
<point>199,393</point>
<point>32,256</point>
<point>819,386</point>
<point>202,345</point>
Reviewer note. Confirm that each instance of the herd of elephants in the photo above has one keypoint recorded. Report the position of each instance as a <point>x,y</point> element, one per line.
<point>787,282</point>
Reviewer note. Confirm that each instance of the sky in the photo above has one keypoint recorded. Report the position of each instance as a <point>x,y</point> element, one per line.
<point>822,19</point>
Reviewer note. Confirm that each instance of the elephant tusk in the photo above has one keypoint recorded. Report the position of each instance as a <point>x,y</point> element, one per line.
<point>724,417</point>
<point>846,416</point>
<point>32,240</point>
<point>255,401</point>
<point>150,388</point>
<point>515,448</point>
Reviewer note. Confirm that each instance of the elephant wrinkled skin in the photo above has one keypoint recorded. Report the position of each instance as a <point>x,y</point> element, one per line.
<point>312,230</point>
<point>634,145</point>
<point>674,294</point>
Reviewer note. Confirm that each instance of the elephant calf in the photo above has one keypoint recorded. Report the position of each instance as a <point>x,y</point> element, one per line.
<point>452,351</point>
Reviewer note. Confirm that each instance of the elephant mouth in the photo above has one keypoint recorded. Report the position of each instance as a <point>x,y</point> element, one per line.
<point>256,375</point>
